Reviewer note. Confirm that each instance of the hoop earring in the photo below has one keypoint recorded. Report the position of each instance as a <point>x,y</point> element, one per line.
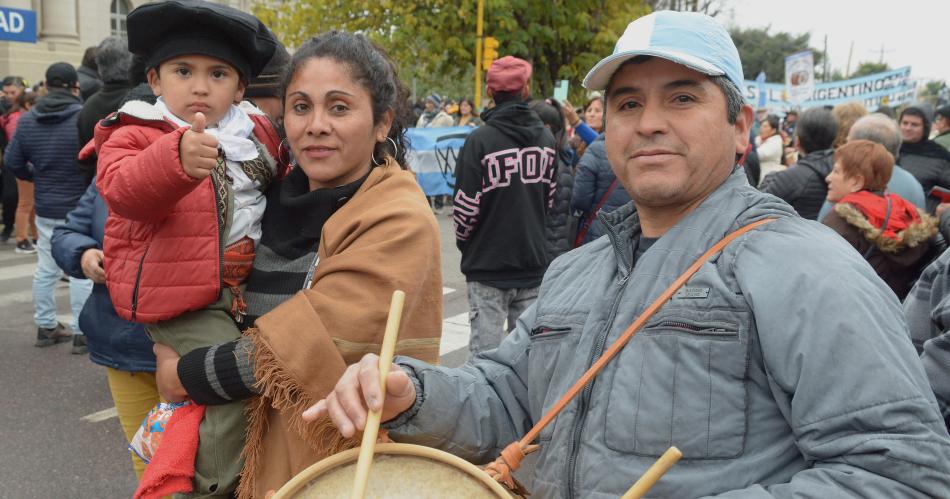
<point>283,145</point>
<point>395,151</point>
<point>395,147</point>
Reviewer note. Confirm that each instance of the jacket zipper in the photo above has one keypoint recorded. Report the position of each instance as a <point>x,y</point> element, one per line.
<point>222,237</point>
<point>712,328</point>
<point>138,281</point>
<point>596,351</point>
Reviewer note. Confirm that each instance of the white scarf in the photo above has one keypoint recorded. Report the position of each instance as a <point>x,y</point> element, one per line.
<point>232,132</point>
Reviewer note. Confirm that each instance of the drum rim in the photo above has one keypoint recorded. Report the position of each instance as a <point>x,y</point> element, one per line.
<point>350,456</point>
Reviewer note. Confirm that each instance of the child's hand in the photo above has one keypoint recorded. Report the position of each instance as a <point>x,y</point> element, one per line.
<point>198,150</point>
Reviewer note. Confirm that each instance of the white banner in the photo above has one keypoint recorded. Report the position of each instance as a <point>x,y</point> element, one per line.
<point>799,77</point>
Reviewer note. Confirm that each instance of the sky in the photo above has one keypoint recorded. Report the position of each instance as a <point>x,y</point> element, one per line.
<point>913,32</point>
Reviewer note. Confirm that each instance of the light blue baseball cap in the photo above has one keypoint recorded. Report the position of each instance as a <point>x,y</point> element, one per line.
<point>694,40</point>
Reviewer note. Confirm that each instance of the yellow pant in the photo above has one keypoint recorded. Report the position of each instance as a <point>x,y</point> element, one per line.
<point>134,394</point>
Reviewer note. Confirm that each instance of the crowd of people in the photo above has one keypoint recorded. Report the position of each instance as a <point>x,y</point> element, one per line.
<point>232,219</point>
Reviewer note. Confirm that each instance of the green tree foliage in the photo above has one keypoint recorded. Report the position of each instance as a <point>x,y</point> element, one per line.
<point>764,51</point>
<point>869,68</point>
<point>433,41</point>
<point>711,8</point>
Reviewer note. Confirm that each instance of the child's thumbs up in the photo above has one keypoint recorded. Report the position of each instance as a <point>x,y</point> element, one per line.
<point>199,124</point>
<point>198,150</point>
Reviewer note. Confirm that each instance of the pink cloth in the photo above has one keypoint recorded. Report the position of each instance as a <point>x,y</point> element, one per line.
<point>9,121</point>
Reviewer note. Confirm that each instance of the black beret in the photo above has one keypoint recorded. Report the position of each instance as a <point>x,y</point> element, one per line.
<point>162,30</point>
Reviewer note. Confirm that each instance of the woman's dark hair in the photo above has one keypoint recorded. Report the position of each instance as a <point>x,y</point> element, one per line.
<point>371,67</point>
<point>89,58</point>
<point>551,115</point>
<point>470,104</point>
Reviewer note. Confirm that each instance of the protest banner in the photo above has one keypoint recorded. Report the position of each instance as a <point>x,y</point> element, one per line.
<point>432,155</point>
<point>892,88</point>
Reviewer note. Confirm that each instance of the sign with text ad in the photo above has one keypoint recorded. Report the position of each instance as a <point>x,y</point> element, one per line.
<point>17,25</point>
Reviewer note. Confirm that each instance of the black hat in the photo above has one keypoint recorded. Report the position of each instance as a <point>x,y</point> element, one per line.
<point>162,30</point>
<point>267,83</point>
<point>61,75</point>
<point>943,111</point>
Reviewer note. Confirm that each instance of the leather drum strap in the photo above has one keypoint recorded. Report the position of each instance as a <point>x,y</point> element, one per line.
<point>510,460</point>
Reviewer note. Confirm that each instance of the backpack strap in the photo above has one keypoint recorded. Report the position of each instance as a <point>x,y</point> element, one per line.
<point>582,233</point>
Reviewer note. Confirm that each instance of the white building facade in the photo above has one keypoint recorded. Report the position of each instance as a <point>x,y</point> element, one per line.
<point>65,28</point>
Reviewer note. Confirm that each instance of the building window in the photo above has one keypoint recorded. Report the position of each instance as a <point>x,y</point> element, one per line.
<point>118,12</point>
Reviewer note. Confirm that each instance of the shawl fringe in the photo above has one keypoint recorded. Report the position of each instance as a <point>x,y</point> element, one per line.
<point>911,237</point>
<point>278,389</point>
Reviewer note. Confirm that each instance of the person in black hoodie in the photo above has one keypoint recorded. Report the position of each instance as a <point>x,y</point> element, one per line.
<point>803,184</point>
<point>924,158</point>
<point>505,182</point>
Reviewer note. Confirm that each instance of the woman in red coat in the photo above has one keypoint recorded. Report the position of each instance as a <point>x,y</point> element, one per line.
<point>894,236</point>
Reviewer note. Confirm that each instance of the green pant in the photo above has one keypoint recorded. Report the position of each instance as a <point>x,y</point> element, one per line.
<point>218,463</point>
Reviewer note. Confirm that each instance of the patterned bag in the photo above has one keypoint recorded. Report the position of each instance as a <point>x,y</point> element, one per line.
<point>149,436</point>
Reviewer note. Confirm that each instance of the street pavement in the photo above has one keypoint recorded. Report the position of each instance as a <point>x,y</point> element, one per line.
<point>59,437</point>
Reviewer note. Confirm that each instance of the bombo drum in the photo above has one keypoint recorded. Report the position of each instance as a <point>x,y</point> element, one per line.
<point>398,471</point>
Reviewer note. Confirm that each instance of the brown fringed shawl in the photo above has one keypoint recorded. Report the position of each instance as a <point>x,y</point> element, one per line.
<point>383,239</point>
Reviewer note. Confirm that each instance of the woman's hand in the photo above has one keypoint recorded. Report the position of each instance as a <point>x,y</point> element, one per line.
<point>166,374</point>
<point>357,390</point>
<point>91,263</point>
<point>570,114</point>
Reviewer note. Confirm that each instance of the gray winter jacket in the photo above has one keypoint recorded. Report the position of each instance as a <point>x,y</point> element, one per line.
<point>782,369</point>
<point>927,308</point>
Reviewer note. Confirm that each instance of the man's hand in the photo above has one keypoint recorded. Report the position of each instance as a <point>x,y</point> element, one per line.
<point>198,150</point>
<point>357,390</point>
<point>166,374</point>
<point>942,207</point>
<point>91,263</point>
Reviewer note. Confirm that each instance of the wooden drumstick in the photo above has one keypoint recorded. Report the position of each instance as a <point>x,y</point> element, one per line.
<point>371,430</point>
<point>653,473</point>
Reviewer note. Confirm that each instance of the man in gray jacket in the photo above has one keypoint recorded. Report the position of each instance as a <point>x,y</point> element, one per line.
<point>782,368</point>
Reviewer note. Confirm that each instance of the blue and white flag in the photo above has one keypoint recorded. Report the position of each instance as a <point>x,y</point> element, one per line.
<point>432,155</point>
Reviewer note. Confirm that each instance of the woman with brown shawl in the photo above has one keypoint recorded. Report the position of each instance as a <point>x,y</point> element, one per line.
<point>347,226</point>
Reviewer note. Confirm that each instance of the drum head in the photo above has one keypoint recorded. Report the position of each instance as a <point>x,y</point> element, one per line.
<point>398,471</point>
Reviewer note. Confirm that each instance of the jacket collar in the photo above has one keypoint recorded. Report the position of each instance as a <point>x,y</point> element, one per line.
<point>731,206</point>
<point>145,111</point>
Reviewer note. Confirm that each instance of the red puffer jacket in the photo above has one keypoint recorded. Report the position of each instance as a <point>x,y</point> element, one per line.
<point>162,245</point>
